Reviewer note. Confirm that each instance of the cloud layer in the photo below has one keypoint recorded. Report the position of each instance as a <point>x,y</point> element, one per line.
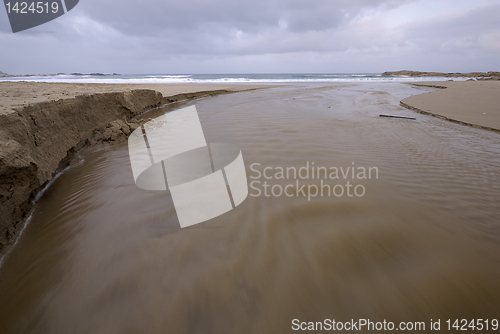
<point>224,36</point>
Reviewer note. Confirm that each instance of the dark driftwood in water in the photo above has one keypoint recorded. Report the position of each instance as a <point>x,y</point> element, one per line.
<point>402,117</point>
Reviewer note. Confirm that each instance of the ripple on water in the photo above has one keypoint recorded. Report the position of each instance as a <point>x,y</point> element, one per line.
<point>101,255</point>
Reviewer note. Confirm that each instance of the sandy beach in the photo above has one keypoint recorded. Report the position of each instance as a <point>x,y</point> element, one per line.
<point>264,167</point>
<point>472,103</point>
<point>418,240</point>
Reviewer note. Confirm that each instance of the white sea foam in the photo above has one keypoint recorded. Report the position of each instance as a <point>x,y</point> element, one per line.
<point>243,78</point>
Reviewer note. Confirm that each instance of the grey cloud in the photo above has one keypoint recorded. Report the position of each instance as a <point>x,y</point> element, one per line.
<point>134,17</point>
<point>226,35</point>
<point>454,33</point>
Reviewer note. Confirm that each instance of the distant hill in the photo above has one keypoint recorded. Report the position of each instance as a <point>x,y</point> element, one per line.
<point>440,74</point>
<point>2,72</point>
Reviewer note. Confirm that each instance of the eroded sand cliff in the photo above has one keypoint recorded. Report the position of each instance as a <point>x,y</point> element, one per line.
<point>36,140</point>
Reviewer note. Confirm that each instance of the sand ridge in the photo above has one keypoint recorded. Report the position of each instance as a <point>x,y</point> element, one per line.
<point>474,103</point>
<point>15,94</point>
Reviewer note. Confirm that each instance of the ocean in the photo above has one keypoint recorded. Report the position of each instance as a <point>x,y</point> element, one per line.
<point>223,78</point>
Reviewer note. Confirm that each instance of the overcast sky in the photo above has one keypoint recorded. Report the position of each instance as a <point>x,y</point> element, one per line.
<point>259,36</point>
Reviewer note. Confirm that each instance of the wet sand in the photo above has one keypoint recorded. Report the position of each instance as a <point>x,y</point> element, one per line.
<point>102,256</point>
<point>475,103</point>
<point>43,124</point>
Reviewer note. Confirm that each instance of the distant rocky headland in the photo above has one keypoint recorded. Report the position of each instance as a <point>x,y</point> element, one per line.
<point>39,139</point>
<point>485,75</point>
<point>4,75</point>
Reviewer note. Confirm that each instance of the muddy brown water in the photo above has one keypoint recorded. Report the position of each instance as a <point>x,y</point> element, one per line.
<point>100,255</point>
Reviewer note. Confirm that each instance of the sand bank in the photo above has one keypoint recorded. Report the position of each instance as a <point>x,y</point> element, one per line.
<point>43,124</point>
<point>473,103</point>
<point>19,94</point>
